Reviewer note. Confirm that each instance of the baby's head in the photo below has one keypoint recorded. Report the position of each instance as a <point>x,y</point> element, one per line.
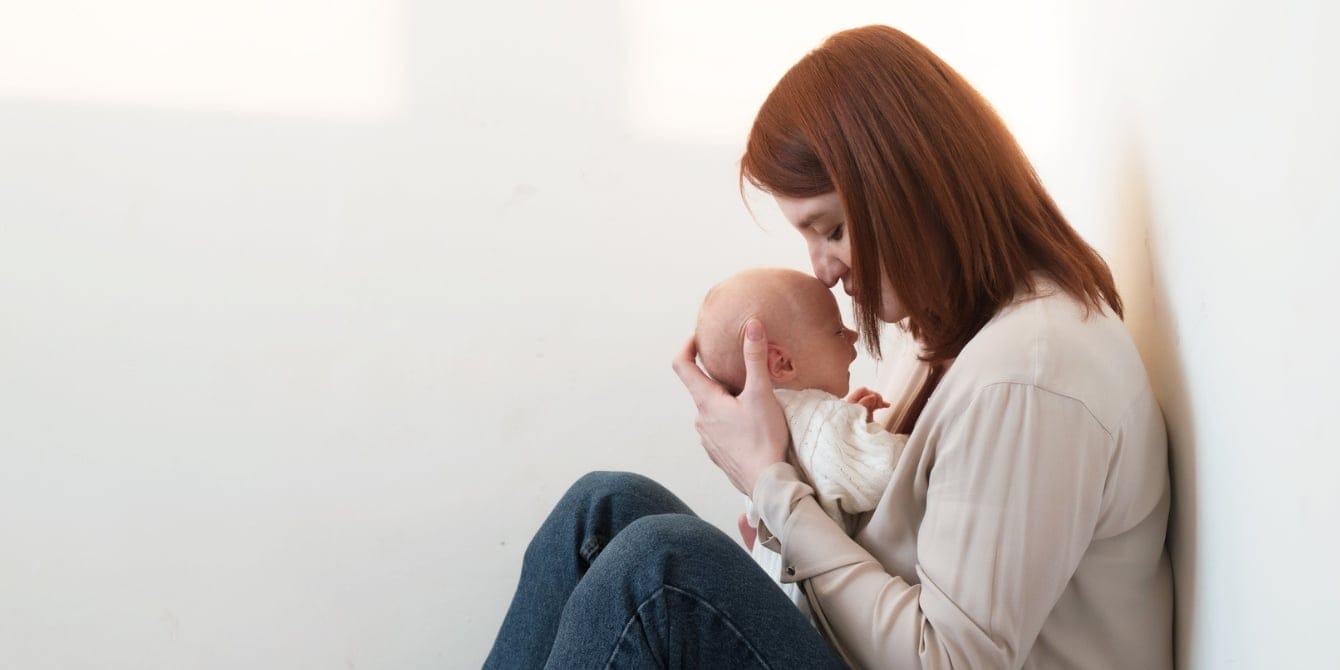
<point>808,345</point>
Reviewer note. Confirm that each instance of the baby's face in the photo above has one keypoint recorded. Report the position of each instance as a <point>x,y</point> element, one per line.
<point>823,348</point>
<point>810,348</point>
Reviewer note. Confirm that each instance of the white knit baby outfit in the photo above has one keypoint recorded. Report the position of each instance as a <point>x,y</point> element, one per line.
<point>847,459</point>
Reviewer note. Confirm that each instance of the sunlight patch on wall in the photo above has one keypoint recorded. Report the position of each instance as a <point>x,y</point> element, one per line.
<point>339,59</point>
<point>698,70</point>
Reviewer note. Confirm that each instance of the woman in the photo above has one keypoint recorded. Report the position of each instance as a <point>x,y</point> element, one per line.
<point>1025,523</point>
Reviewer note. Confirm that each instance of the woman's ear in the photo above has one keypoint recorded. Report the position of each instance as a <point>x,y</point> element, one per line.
<point>781,368</point>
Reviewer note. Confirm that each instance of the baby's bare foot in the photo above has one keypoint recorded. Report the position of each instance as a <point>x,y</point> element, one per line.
<point>747,532</point>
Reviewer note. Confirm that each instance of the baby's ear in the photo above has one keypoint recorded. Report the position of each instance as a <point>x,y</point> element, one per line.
<point>780,366</point>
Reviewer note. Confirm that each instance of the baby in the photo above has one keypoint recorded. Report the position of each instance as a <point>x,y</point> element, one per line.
<point>846,457</point>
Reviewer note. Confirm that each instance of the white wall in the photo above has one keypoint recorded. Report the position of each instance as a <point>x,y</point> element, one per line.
<point>308,311</point>
<point>1213,135</point>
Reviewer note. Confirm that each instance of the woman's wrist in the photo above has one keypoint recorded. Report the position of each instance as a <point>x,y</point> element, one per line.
<point>756,476</point>
<point>774,495</point>
<point>768,476</point>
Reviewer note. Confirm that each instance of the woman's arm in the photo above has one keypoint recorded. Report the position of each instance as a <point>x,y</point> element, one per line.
<point>1011,505</point>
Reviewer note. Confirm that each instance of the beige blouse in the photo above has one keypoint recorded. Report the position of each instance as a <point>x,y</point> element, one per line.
<point>1024,525</point>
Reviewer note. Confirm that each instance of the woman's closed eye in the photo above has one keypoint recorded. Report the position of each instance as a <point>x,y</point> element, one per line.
<point>836,235</point>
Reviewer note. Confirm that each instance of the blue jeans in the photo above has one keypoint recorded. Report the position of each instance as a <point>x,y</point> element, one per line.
<point>623,575</point>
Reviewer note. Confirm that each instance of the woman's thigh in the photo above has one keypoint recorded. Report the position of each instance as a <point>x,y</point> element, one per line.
<point>673,591</point>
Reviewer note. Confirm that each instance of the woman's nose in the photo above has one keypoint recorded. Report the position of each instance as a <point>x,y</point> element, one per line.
<point>827,269</point>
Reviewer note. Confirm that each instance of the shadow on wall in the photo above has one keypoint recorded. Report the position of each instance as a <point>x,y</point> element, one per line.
<point>1138,266</point>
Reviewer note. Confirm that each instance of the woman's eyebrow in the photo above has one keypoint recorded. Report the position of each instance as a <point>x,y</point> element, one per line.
<point>809,220</point>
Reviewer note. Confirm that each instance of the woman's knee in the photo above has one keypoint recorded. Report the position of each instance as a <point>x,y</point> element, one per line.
<point>622,493</point>
<point>601,484</point>
<point>596,508</point>
<point>675,537</point>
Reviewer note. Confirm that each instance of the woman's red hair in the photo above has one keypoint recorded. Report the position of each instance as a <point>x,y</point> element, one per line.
<point>937,194</point>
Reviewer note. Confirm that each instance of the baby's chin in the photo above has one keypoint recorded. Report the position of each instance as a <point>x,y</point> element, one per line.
<point>841,390</point>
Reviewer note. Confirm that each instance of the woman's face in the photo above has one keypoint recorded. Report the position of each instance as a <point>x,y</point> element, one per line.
<point>821,222</point>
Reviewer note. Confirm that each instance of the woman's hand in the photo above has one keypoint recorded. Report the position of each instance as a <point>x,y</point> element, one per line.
<point>744,434</point>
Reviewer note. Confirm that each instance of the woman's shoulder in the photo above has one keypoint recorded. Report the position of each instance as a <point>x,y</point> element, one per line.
<point>1055,343</point>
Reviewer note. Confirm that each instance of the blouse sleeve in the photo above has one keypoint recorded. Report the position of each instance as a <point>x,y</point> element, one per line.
<point>1011,505</point>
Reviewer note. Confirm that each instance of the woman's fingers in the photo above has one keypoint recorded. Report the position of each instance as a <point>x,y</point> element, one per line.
<point>700,386</point>
<point>756,377</point>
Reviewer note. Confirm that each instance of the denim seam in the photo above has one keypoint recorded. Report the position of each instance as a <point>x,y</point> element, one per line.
<point>629,624</point>
<point>702,601</point>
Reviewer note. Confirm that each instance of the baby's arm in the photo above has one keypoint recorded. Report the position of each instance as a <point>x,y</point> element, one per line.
<point>848,459</point>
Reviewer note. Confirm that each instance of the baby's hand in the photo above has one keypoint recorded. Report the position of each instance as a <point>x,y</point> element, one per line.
<point>868,399</point>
